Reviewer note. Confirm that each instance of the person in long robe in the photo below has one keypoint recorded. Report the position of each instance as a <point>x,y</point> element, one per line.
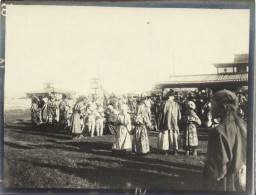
<point>57,111</point>
<point>111,117</point>
<point>63,107</point>
<point>142,122</point>
<point>76,126</point>
<point>169,129</point>
<point>41,107</point>
<point>51,110</point>
<point>122,140</point>
<point>226,153</point>
<point>35,111</point>
<point>157,111</point>
<point>191,138</point>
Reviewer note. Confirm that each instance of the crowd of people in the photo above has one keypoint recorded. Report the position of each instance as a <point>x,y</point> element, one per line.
<point>124,116</point>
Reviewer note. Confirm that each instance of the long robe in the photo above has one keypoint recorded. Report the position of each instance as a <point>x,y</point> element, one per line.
<point>226,156</point>
<point>122,139</point>
<point>140,139</point>
<point>169,129</point>
<point>63,106</point>
<point>190,133</point>
<point>170,116</point>
<point>76,119</point>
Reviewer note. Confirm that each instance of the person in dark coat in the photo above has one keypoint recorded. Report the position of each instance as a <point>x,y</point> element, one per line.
<point>226,153</point>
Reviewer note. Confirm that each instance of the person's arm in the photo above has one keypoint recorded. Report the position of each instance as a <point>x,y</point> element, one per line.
<point>148,122</point>
<point>218,155</point>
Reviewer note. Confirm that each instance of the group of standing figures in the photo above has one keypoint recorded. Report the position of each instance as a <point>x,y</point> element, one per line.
<point>130,121</point>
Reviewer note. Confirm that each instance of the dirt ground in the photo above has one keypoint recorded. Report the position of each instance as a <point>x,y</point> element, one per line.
<point>42,157</point>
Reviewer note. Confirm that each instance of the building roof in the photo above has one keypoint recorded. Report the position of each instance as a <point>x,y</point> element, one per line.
<point>203,79</point>
<point>49,90</point>
<point>232,64</point>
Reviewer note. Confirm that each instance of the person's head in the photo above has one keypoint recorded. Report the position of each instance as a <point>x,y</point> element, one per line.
<point>170,94</point>
<point>223,103</point>
<point>110,108</point>
<point>64,96</point>
<point>80,99</point>
<point>191,105</point>
<point>35,100</point>
<point>124,109</point>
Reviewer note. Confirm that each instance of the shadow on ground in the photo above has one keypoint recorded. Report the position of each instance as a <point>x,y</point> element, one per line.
<point>98,166</point>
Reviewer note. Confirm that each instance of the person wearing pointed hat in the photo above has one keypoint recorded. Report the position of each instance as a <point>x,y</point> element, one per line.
<point>225,165</point>
<point>169,129</point>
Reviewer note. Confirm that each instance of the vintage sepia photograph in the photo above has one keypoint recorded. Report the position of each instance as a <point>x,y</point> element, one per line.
<point>127,96</point>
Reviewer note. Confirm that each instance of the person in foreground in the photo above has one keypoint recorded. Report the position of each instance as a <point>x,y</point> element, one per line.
<point>226,154</point>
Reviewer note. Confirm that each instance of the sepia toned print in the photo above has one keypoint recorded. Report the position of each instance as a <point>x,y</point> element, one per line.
<point>126,98</point>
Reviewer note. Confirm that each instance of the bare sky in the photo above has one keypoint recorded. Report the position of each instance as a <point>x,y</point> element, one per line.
<point>130,47</point>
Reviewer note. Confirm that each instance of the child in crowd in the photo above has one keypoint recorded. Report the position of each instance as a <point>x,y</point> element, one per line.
<point>191,138</point>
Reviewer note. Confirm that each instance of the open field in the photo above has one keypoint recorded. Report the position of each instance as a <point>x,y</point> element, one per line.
<point>42,157</point>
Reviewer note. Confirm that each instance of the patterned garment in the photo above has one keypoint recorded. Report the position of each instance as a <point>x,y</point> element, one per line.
<point>191,138</point>
<point>142,121</point>
<point>141,144</point>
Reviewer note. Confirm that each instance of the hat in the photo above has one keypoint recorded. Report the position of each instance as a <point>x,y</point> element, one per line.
<point>170,93</point>
<point>226,97</point>
<point>80,99</point>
